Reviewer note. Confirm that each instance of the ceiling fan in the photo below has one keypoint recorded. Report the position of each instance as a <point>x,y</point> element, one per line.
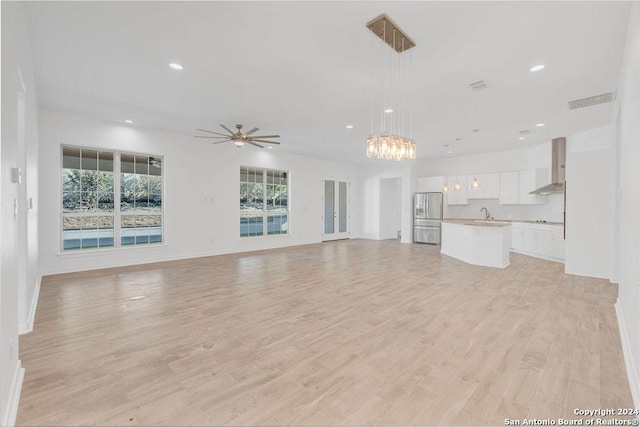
<point>239,138</point>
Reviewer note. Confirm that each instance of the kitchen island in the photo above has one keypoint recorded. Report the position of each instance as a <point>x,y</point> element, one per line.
<point>483,243</point>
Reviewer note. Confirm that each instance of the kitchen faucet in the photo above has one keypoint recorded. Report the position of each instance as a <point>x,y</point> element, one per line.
<point>486,212</point>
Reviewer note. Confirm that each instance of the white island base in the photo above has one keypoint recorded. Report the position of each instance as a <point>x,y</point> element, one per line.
<point>477,243</point>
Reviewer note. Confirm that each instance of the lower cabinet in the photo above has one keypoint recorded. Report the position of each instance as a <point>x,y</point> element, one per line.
<point>538,240</point>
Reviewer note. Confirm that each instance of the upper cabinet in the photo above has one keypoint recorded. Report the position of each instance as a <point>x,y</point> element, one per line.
<point>515,187</point>
<point>509,188</point>
<point>483,186</point>
<point>430,184</point>
<point>529,180</point>
<point>456,190</point>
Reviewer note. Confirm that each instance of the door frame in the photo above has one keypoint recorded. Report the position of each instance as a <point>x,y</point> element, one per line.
<point>336,235</point>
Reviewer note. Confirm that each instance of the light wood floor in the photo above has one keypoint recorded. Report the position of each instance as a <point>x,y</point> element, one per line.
<point>344,333</point>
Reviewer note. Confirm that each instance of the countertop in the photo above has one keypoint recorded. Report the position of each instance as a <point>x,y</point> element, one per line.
<point>477,222</point>
<point>495,222</point>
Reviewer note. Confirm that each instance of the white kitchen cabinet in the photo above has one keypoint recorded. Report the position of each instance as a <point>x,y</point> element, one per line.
<point>457,190</point>
<point>488,186</point>
<point>538,240</point>
<point>430,184</point>
<point>529,180</point>
<point>509,188</point>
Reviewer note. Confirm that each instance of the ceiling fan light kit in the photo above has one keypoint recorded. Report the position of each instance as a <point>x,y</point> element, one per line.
<point>239,138</point>
<point>388,144</point>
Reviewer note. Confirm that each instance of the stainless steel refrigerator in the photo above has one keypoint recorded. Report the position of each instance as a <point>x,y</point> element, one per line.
<point>427,217</point>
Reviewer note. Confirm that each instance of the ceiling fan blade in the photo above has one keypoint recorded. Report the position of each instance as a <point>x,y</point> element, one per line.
<point>201,136</point>
<point>263,141</point>
<point>253,143</point>
<point>218,142</point>
<point>251,131</point>
<point>265,136</point>
<point>227,129</point>
<point>215,133</point>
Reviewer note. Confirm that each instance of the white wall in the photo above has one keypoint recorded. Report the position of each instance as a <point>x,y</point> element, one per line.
<point>628,202</point>
<point>18,236</point>
<point>589,225</point>
<point>390,207</point>
<point>201,193</point>
<point>368,196</point>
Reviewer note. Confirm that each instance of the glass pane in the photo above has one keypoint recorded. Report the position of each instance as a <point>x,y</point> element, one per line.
<point>155,203</point>
<point>71,179</point>
<point>105,237</point>
<point>142,235</point>
<point>155,228</point>
<point>342,207</point>
<point>105,202</point>
<point>89,180</point>
<point>90,231</point>
<point>105,182</point>
<point>71,201</point>
<point>89,159</point>
<point>88,201</point>
<point>128,230</point>
<point>127,191</point>
<point>126,163</point>
<point>71,158</point>
<point>142,165</point>
<point>105,162</point>
<point>277,224</point>
<point>155,184</point>
<point>155,166</point>
<point>329,206</point>
<point>71,228</point>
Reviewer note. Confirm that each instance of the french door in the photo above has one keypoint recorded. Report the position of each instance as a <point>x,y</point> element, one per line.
<point>336,215</point>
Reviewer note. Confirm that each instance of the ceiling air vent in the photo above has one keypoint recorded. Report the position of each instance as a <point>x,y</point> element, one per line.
<point>592,100</point>
<point>524,131</point>
<point>480,84</point>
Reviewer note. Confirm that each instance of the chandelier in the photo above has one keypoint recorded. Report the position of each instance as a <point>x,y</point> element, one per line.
<point>388,144</point>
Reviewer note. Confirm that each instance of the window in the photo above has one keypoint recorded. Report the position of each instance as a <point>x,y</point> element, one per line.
<point>264,202</point>
<point>92,181</point>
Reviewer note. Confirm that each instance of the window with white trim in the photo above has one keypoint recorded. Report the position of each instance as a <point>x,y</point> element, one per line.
<point>110,199</point>
<point>264,202</point>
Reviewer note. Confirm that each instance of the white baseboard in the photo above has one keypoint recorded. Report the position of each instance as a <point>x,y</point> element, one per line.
<point>632,370</point>
<point>25,328</point>
<point>9,417</point>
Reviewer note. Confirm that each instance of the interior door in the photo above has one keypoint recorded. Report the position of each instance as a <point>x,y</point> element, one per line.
<point>336,215</point>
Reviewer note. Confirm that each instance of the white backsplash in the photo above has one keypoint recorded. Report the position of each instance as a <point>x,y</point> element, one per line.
<point>550,211</point>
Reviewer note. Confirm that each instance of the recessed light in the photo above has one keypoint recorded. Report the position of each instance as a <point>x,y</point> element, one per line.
<point>536,68</point>
<point>540,124</point>
<point>388,110</point>
<point>458,139</point>
<point>349,126</point>
<point>270,147</point>
<point>176,66</point>
<point>128,121</point>
<point>450,152</point>
<point>476,130</point>
<point>521,138</point>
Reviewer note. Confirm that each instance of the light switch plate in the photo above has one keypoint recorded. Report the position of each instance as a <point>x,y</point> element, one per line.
<point>16,175</point>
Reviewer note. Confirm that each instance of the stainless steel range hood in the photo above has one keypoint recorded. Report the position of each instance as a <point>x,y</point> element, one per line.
<point>558,161</point>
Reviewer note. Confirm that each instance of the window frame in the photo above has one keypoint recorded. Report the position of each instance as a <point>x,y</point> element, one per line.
<point>265,212</point>
<point>116,214</point>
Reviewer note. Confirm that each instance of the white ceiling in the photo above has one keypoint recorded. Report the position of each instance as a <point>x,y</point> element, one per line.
<point>307,69</point>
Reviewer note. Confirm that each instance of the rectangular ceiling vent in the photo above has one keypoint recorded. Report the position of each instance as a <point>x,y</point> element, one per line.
<point>480,84</point>
<point>524,131</point>
<point>592,100</point>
